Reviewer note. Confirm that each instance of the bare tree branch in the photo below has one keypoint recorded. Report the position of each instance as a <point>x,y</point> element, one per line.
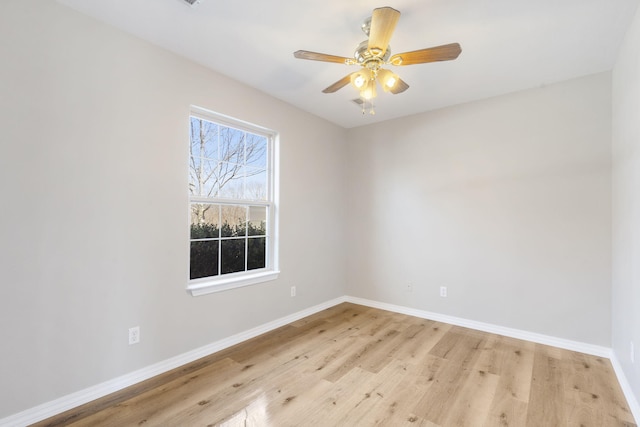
<point>221,159</point>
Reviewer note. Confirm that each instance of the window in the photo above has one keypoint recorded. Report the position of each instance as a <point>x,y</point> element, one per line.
<point>231,202</point>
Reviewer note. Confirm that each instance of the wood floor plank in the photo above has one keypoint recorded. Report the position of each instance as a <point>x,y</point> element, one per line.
<point>397,407</point>
<point>372,394</point>
<point>589,398</point>
<point>510,404</point>
<point>473,401</point>
<point>420,338</point>
<point>150,408</point>
<point>460,350</point>
<point>343,396</point>
<point>371,339</point>
<point>351,365</point>
<point>506,411</point>
<point>546,406</point>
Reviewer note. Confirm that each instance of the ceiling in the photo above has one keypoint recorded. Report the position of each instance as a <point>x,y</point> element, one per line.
<point>507,45</point>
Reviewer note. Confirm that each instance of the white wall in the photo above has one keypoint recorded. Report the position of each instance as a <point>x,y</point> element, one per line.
<point>506,201</point>
<point>93,225</point>
<point>626,205</point>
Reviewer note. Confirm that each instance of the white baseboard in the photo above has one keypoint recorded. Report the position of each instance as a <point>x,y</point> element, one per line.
<point>595,350</point>
<point>49,409</point>
<point>626,387</point>
<point>55,407</point>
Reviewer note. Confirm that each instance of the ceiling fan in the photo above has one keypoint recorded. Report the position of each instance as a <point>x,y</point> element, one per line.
<point>372,54</point>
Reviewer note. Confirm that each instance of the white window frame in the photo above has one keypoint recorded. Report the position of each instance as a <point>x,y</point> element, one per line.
<point>223,282</point>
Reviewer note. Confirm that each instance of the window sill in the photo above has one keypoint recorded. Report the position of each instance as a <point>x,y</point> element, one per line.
<point>208,286</point>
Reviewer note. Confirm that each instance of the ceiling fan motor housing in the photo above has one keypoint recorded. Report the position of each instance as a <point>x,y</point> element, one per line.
<point>366,58</point>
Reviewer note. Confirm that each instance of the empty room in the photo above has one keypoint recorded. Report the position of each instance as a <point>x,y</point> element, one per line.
<point>320,213</point>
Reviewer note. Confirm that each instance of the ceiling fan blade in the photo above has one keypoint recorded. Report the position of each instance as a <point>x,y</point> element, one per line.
<point>315,56</point>
<point>399,87</point>
<point>445,52</point>
<point>339,84</point>
<point>383,22</point>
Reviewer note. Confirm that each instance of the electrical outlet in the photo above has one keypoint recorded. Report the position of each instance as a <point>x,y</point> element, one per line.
<point>134,335</point>
<point>632,355</point>
<point>443,291</point>
<point>293,291</point>
<point>409,287</point>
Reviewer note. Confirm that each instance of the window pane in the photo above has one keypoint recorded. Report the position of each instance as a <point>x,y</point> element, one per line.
<point>234,220</point>
<point>257,252</point>
<point>256,151</point>
<point>231,145</point>
<point>203,177</point>
<point>231,178</point>
<point>233,255</point>
<point>204,138</point>
<point>255,186</point>
<point>204,259</point>
<point>257,221</point>
<point>205,221</point>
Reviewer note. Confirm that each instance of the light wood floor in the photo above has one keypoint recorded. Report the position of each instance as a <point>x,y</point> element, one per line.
<point>357,366</point>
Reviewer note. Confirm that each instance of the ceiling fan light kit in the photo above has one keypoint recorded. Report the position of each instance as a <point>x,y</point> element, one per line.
<point>374,53</point>
<point>388,79</point>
